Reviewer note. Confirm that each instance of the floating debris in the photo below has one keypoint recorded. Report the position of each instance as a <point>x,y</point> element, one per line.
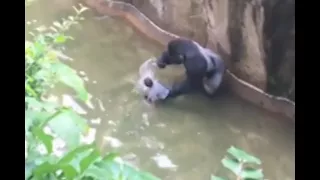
<point>89,103</point>
<point>96,121</point>
<point>112,122</point>
<point>161,125</point>
<point>82,73</point>
<point>164,162</point>
<point>86,79</point>
<point>145,119</point>
<point>152,143</point>
<point>68,101</point>
<point>113,142</point>
<point>131,159</point>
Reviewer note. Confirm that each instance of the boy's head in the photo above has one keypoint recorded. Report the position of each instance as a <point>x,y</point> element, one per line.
<point>148,82</point>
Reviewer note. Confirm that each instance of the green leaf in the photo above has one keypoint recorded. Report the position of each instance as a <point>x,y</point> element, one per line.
<point>33,103</point>
<point>70,78</point>
<point>38,159</point>
<point>44,75</point>
<point>111,167</point>
<point>60,39</point>
<point>39,46</point>
<point>148,176</point>
<point>130,172</point>
<point>233,166</point>
<point>27,45</point>
<point>118,170</point>
<point>44,169</point>
<point>69,171</point>
<point>71,162</point>
<point>69,126</point>
<point>28,170</point>
<point>252,174</point>
<point>243,156</point>
<point>30,91</point>
<point>115,168</point>
<point>90,159</point>
<point>50,106</point>
<point>35,117</point>
<point>28,122</point>
<point>216,178</point>
<point>110,156</point>
<point>72,154</point>
<point>29,60</point>
<point>96,173</point>
<point>41,116</point>
<point>44,138</point>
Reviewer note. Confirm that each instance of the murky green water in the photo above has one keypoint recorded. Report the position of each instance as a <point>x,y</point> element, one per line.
<point>191,131</point>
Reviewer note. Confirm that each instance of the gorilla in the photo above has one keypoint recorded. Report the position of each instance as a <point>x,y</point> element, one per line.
<point>204,68</point>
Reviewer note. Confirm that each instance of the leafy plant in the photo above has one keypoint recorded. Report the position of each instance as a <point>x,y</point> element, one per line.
<point>43,67</point>
<point>242,165</point>
<point>47,123</point>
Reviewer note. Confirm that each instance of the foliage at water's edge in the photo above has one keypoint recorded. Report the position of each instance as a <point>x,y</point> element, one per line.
<point>50,124</point>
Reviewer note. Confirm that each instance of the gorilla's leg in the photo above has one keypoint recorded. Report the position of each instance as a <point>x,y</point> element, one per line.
<point>180,88</point>
<point>212,84</point>
<point>214,78</point>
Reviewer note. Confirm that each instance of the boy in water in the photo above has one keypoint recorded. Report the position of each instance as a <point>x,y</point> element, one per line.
<point>156,91</point>
<point>151,89</point>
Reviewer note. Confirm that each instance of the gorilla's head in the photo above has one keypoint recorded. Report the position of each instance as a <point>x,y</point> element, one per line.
<point>178,51</point>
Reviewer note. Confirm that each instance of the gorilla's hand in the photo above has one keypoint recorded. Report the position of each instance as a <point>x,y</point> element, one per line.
<point>169,59</point>
<point>162,60</point>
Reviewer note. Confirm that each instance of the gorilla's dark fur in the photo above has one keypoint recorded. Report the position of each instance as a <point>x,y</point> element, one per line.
<point>200,63</point>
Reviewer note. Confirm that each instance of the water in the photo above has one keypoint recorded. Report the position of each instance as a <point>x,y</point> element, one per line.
<point>184,139</point>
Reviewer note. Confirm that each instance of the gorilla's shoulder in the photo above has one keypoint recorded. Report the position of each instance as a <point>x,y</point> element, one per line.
<point>182,46</point>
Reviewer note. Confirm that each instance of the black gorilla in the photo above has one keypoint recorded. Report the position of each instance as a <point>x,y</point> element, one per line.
<point>204,68</point>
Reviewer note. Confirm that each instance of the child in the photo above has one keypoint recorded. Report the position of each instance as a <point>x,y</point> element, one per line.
<point>148,86</point>
<point>156,90</point>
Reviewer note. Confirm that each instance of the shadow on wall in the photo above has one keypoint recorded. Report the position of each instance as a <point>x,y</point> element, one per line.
<point>279,30</point>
